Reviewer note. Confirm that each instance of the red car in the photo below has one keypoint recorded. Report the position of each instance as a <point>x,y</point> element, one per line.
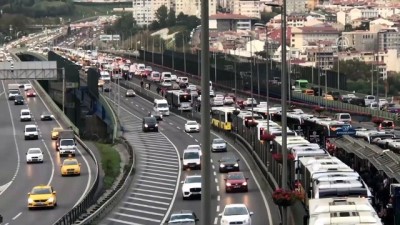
<point>31,93</point>
<point>145,73</point>
<point>235,181</point>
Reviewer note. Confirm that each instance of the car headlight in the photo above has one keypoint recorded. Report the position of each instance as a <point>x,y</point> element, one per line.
<point>156,125</point>
<point>30,200</point>
<point>50,199</point>
<point>41,116</point>
<point>236,165</point>
<point>222,165</point>
<point>185,163</point>
<point>146,125</point>
<point>198,163</point>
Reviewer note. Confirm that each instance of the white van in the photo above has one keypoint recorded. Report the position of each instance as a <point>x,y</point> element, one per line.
<point>161,105</point>
<point>165,75</point>
<point>25,115</point>
<point>154,76</point>
<point>139,69</point>
<point>343,117</point>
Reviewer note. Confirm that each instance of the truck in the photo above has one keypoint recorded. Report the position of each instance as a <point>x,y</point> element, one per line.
<point>66,143</point>
<point>13,90</point>
<point>179,99</point>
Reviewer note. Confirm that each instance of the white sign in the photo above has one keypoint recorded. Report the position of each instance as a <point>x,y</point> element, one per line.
<point>116,37</point>
<point>105,37</point>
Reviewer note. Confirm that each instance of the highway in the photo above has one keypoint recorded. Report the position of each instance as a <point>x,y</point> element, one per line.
<point>172,127</point>
<point>20,177</point>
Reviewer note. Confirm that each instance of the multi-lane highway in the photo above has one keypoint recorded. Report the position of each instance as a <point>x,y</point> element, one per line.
<point>18,177</point>
<point>151,204</point>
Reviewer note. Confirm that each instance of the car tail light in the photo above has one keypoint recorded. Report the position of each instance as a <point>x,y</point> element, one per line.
<point>228,184</point>
<point>380,127</point>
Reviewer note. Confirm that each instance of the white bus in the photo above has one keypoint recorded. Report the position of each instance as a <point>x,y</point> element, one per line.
<point>346,211</point>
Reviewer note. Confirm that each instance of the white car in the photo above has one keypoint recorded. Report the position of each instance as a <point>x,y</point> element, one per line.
<point>228,100</point>
<point>192,87</point>
<point>27,87</point>
<point>218,145</point>
<point>25,115</point>
<point>191,159</point>
<point>34,155</point>
<point>31,132</point>
<point>236,214</point>
<point>192,126</point>
<point>195,147</point>
<point>191,187</point>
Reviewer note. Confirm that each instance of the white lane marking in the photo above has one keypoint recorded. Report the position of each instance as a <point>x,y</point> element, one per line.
<point>152,196</point>
<point>147,200</point>
<point>137,105</point>
<point>219,198</point>
<point>217,208</point>
<point>162,179</point>
<point>146,206</point>
<point>15,142</point>
<point>2,93</point>
<point>52,162</point>
<point>211,160</point>
<point>141,211</point>
<point>215,173</point>
<point>190,135</point>
<point>216,221</point>
<point>178,128</point>
<point>15,217</point>
<point>160,175</point>
<point>216,180</point>
<point>137,217</point>
<point>163,168</point>
<point>218,189</point>
<point>213,167</point>
<point>156,187</point>
<point>147,168</point>
<point>179,170</point>
<point>4,187</point>
<point>196,140</point>
<point>155,182</point>
<point>143,109</point>
<point>123,221</point>
<point>83,157</point>
<point>161,163</point>
<point>171,123</point>
<point>152,191</point>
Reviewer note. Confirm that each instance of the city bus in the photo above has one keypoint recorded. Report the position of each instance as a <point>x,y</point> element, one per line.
<point>221,117</point>
<point>301,84</point>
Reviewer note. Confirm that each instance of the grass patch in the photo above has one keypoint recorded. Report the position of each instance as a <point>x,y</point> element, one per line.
<point>175,29</point>
<point>86,10</point>
<point>110,161</point>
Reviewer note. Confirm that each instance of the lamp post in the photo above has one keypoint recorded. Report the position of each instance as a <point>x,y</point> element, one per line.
<point>184,53</point>
<point>173,55</point>
<point>215,67</point>
<point>284,91</point>
<point>152,51</point>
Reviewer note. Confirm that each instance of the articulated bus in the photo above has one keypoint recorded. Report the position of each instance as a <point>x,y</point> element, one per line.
<point>221,117</point>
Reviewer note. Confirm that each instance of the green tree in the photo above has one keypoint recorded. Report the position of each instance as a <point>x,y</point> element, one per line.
<point>267,16</point>
<point>162,16</point>
<point>182,38</point>
<point>354,70</point>
<point>125,26</point>
<point>171,20</point>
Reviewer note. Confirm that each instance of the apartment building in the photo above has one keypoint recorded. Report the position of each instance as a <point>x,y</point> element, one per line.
<point>296,6</point>
<point>362,41</point>
<point>389,39</point>
<point>193,7</point>
<point>252,8</point>
<point>144,10</point>
<point>302,36</point>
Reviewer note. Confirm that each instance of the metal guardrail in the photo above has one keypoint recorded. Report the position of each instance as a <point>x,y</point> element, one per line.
<point>114,119</point>
<point>297,98</point>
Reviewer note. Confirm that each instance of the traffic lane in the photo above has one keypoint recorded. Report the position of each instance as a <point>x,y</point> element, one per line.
<point>61,185</point>
<point>181,139</point>
<point>9,153</point>
<point>28,176</point>
<point>253,199</point>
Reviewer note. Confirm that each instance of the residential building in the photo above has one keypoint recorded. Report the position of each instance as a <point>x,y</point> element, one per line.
<point>296,6</point>
<point>193,7</point>
<point>143,12</point>
<point>252,8</point>
<point>302,36</point>
<point>389,39</point>
<point>230,22</point>
<point>362,40</point>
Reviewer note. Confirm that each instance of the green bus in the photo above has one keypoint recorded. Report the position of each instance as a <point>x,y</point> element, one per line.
<point>301,84</point>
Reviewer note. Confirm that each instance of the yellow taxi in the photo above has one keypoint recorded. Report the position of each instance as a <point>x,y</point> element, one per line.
<point>55,132</point>
<point>42,196</point>
<point>70,166</point>
<point>328,97</point>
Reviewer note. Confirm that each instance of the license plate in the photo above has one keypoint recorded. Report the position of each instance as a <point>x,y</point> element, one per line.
<point>229,167</point>
<point>39,203</point>
<point>237,186</point>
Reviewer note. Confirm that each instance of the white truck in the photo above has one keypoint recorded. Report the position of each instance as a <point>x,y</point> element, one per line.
<point>66,144</point>
<point>179,99</point>
<point>13,90</point>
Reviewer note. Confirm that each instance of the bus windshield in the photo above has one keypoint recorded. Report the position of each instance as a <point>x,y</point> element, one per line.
<point>302,84</point>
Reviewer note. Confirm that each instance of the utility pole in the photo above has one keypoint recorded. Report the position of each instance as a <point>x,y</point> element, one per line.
<point>205,117</point>
<point>63,94</point>
<point>184,53</point>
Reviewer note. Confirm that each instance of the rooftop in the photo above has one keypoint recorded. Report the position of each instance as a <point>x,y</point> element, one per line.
<point>229,16</point>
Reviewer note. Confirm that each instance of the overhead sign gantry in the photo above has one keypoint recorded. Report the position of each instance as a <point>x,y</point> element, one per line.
<point>37,70</point>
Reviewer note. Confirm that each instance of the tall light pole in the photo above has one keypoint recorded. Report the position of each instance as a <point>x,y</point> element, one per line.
<point>173,55</point>
<point>284,93</point>
<point>63,93</point>
<point>205,117</point>
<point>152,51</point>
<point>184,53</point>
<point>215,67</point>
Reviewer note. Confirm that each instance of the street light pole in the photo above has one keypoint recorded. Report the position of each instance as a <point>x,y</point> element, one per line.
<point>205,117</point>
<point>215,67</point>
<point>184,53</point>
<point>63,94</point>
<point>152,51</point>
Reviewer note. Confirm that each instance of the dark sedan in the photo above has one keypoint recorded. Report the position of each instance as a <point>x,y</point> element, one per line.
<point>228,164</point>
<point>46,116</point>
<point>18,100</point>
